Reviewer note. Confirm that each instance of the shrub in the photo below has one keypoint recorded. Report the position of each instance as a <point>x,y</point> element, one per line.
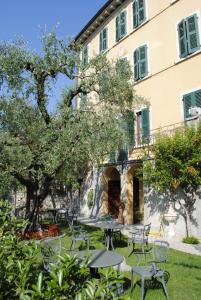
<point>90,198</point>
<point>190,240</point>
<point>22,275</point>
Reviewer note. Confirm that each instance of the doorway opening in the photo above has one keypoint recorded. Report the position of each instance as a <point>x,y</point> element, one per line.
<point>136,201</point>
<point>113,188</point>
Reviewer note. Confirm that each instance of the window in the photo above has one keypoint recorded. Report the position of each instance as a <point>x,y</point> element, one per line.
<point>127,126</point>
<point>143,127</point>
<point>121,29</point>
<point>188,36</point>
<point>140,63</point>
<point>122,67</point>
<point>139,14</point>
<point>191,100</point>
<point>85,58</point>
<point>104,40</point>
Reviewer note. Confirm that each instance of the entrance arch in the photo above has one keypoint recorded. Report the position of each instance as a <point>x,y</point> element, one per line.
<point>134,195</point>
<point>112,193</point>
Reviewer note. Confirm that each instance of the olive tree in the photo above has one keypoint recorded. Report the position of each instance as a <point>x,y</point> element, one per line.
<point>38,147</point>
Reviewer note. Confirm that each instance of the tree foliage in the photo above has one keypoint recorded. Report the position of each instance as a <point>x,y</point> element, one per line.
<point>39,147</point>
<point>176,167</point>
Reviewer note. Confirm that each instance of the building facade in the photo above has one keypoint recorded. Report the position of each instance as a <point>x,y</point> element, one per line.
<point>161,39</point>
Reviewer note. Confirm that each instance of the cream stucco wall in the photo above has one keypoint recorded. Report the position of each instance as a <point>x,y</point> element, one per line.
<point>169,77</point>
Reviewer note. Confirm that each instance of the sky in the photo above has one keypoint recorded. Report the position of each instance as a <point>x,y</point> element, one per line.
<point>28,18</point>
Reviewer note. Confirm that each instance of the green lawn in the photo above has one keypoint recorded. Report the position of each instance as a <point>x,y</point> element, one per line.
<point>184,269</point>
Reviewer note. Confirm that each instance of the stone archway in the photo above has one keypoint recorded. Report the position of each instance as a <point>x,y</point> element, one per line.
<point>112,193</point>
<point>134,196</point>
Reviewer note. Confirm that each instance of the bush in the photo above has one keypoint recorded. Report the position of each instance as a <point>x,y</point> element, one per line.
<point>90,198</point>
<point>22,275</point>
<point>190,240</point>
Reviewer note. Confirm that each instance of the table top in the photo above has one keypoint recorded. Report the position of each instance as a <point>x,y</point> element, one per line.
<point>108,225</point>
<point>100,258</point>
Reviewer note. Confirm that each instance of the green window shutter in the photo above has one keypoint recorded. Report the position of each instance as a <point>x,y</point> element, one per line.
<point>131,128</point>
<point>85,58</point>
<point>192,33</point>
<point>198,98</point>
<point>141,11</point>
<point>143,69</point>
<point>188,101</point>
<point>123,153</point>
<point>112,158</point>
<point>117,28</point>
<point>136,64</point>
<point>123,29</point>
<point>145,126</point>
<point>182,39</point>
<point>105,39</point>
<point>135,14</point>
<point>122,66</point>
<point>101,41</point>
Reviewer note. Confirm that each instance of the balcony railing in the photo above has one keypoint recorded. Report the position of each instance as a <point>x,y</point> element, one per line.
<point>144,142</point>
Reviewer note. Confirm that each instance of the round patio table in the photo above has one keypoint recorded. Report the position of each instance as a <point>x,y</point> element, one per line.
<point>100,258</point>
<point>109,226</point>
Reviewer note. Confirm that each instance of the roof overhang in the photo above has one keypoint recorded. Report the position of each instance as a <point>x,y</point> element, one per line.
<point>105,11</point>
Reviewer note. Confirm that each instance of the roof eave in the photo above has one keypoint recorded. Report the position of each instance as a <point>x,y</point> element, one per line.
<point>97,20</point>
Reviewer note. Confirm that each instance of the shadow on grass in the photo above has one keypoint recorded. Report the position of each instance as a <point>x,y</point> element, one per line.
<point>188,266</point>
<point>120,243</point>
<point>150,284</point>
<point>126,284</point>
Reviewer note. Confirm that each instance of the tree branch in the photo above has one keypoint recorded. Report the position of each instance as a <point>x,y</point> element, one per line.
<point>41,101</point>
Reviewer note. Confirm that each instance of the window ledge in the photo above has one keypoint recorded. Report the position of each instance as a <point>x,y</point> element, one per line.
<point>180,60</point>
<point>191,118</point>
<point>119,41</point>
<point>132,31</point>
<point>173,2</point>
<point>143,79</point>
<point>138,27</point>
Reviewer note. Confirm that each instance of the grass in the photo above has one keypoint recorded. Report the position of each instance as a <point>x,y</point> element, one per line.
<point>184,269</point>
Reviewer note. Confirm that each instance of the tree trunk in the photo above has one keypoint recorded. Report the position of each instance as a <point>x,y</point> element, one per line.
<point>187,219</point>
<point>32,208</point>
<point>188,223</point>
<point>28,200</point>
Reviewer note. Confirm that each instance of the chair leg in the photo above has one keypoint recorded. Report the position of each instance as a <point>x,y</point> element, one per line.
<point>164,287</point>
<point>73,245</point>
<point>87,242</point>
<point>142,287</point>
<point>131,279</point>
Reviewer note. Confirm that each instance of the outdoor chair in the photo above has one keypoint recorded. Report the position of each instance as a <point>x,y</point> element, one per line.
<point>139,236</point>
<point>152,271</point>
<point>78,234</point>
<point>116,232</point>
<point>62,214</point>
<point>71,216</point>
<point>51,248</point>
<point>20,212</point>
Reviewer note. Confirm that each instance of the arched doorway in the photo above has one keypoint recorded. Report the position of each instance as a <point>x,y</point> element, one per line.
<point>112,188</point>
<point>134,195</point>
